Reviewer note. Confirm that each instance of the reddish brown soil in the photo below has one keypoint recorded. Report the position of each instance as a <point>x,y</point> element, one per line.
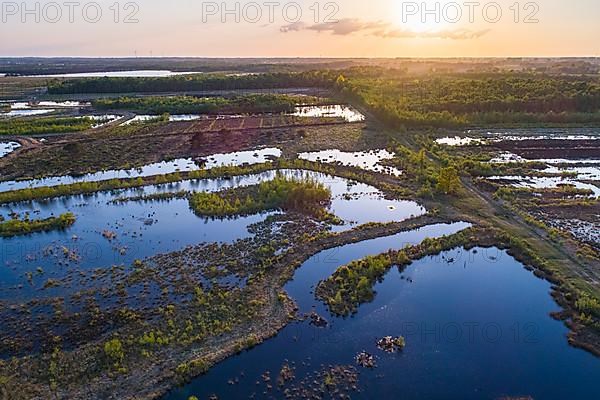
<point>95,150</point>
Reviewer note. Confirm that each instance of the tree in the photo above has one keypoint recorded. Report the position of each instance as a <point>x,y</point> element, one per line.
<point>421,160</point>
<point>448,180</point>
<point>113,350</point>
<point>364,288</point>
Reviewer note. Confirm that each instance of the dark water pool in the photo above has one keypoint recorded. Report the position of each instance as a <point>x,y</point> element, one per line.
<point>476,328</point>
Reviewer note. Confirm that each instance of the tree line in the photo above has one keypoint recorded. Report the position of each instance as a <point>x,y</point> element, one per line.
<point>458,100</point>
<point>190,83</point>
<point>250,104</point>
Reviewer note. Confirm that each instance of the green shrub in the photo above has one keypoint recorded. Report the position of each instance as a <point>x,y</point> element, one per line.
<point>113,350</point>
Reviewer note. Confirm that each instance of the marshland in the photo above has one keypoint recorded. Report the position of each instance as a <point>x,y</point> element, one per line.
<point>245,232</point>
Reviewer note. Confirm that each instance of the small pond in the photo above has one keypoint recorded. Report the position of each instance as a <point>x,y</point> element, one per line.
<point>369,160</point>
<point>8,147</point>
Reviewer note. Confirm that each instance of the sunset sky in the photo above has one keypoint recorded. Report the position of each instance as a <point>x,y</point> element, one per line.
<point>363,29</point>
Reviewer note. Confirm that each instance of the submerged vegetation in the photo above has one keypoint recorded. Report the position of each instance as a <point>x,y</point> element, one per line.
<point>15,227</point>
<point>278,194</point>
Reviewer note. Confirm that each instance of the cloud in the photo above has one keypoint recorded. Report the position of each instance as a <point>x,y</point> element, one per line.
<point>455,34</point>
<point>348,26</point>
<point>293,27</point>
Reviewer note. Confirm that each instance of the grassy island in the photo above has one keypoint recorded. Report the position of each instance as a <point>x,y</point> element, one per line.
<point>279,194</point>
<point>17,227</point>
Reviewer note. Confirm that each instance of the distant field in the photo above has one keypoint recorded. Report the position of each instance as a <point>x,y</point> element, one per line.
<point>15,88</point>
